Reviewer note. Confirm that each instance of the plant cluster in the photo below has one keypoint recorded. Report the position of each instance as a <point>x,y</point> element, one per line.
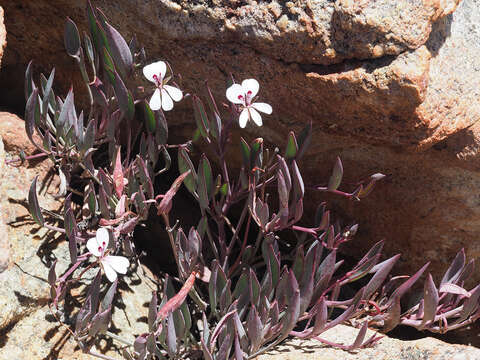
<point>244,288</point>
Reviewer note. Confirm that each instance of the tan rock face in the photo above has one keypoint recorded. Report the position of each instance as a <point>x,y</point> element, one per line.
<point>378,79</point>
<point>3,35</point>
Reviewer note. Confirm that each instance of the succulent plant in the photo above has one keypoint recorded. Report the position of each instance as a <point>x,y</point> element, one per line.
<point>245,286</point>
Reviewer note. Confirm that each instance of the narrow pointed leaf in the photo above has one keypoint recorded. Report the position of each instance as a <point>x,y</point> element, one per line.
<point>119,50</point>
<point>33,204</point>
<point>430,300</point>
<point>336,177</point>
<point>72,39</point>
<point>292,147</point>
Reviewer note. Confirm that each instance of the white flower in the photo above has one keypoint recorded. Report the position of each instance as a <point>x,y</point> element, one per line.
<point>243,95</point>
<point>164,94</point>
<point>110,264</point>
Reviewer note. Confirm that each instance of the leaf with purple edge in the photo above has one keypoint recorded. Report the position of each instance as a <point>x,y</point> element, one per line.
<point>201,117</point>
<point>124,97</point>
<point>254,329</point>
<point>381,272</point>
<point>119,49</point>
<point>292,147</point>
<point>32,116</point>
<point>72,39</point>
<point>430,300</point>
<point>33,205</point>
<point>455,268</point>
<point>336,177</point>
<point>152,311</point>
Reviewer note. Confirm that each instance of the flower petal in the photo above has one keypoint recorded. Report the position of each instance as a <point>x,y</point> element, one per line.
<point>235,94</point>
<point>109,272</point>
<point>103,237</point>
<point>92,246</point>
<point>156,101</point>
<point>242,120</point>
<point>256,117</point>
<point>263,107</point>
<point>250,85</point>
<point>118,263</point>
<point>167,103</point>
<point>158,68</point>
<point>175,93</point>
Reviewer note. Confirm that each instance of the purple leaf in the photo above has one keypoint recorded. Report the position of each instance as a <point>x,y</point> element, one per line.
<point>119,49</point>
<point>254,329</point>
<point>32,116</point>
<point>360,336</point>
<point>381,272</point>
<point>453,289</point>
<point>455,268</point>
<point>430,300</point>
<point>152,311</point>
<point>33,205</point>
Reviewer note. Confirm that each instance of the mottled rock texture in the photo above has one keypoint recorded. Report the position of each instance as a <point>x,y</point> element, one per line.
<point>3,35</point>
<point>390,86</point>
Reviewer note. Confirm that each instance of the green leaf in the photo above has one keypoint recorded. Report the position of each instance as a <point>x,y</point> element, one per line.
<point>149,117</point>
<point>46,92</point>
<point>292,147</point>
<point>245,153</point>
<point>337,175</point>
<point>109,66</point>
<point>224,189</point>
<point>201,117</point>
<point>124,97</point>
<point>185,164</point>
<point>72,39</point>
<point>304,139</point>
<point>33,205</point>
<point>32,115</point>
<point>205,170</point>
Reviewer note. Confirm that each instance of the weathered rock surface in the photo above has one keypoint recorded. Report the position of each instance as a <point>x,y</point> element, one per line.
<point>378,80</point>
<point>3,35</point>
<point>386,349</point>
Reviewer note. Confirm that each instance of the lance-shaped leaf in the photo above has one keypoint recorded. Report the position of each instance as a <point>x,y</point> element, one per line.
<point>100,322</point>
<point>336,177</point>
<point>245,148</point>
<point>98,92</point>
<point>71,231</point>
<point>298,185</point>
<point>119,49</point>
<point>29,85</point>
<point>32,116</point>
<point>453,289</point>
<point>254,329</point>
<point>220,325</point>
<point>225,346</point>
<point>52,276</point>
<point>201,117</point>
<point>381,272</point>
<point>205,182</point>
<point>430,300</point>
<point>166,204</point>
<point>108,298</point>
<point>364,191</point>
<point>171,336</point>
<point>455,268</point>
<point>292,147</point>
<point>321,317</point>
<point>392,316</point>
<point>470,305</point>
<point>149,118</point>
<point>118,174</point>
<point>293,309</point>
<point>124,97</point>
<point>184,165</point>
<point>238,349</point>
<point>72,39</point>
<point>366,263</point>
<point>304,139</point>
<point>66,114</point>
<point>47,90</point>
<point>33,205</point>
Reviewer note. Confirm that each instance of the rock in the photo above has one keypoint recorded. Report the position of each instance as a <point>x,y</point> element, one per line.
<point>386,348</point>
<point>391,87</point>
<point>4,243</point>
<point>3,35</point>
